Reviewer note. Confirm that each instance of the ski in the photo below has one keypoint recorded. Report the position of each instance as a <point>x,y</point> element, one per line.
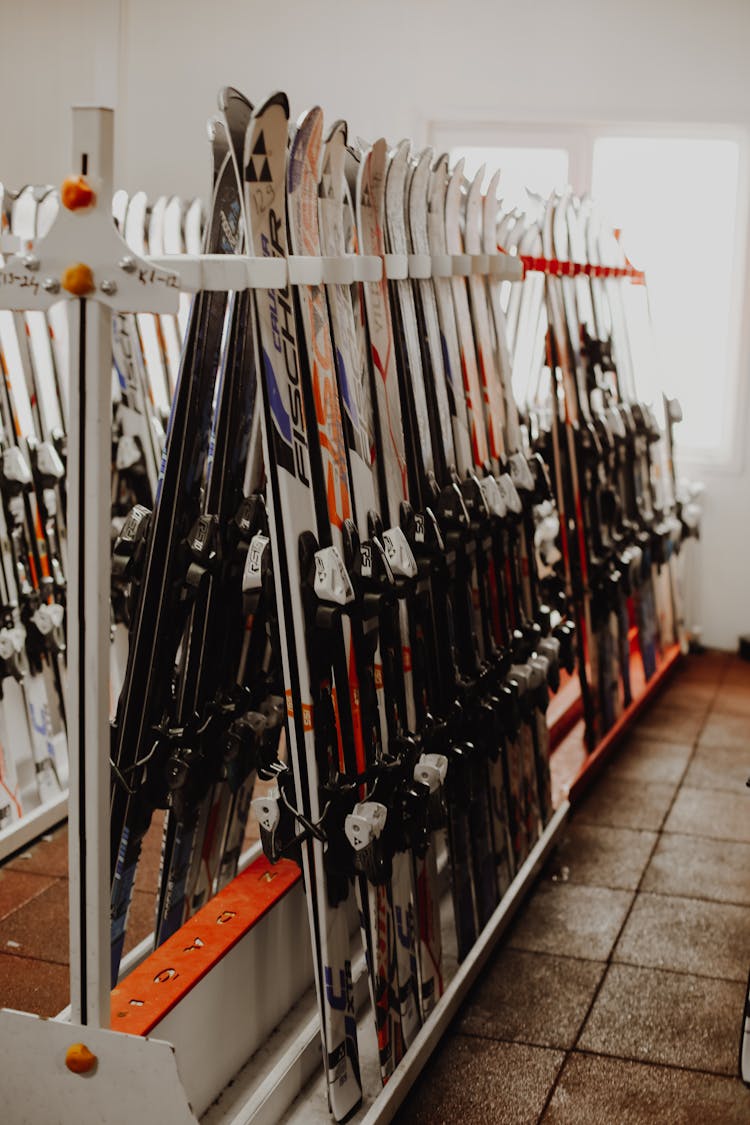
<point>309,787</point>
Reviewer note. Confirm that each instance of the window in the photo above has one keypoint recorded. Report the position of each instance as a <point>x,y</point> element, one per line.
<point>676,199</point>
<point>676,203</point>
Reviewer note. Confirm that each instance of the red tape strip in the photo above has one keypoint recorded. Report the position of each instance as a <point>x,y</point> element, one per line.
<point>559,268</point>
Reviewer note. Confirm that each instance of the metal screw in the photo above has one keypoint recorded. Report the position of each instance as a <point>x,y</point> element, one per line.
<point>31,262</point>
<point>109,288</point>
<point>127,264</point>
<point>51,285</point>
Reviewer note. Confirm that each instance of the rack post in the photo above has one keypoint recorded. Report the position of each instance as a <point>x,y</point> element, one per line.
<point>88,608</point>
<point>83,259</point>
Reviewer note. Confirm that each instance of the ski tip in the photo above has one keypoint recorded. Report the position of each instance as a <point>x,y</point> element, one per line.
<point>229,94</point>
<point>375,163</point>
<point>135,221</point>
<point>308,119</point>
<point>352,166</point>
<point>425,158</point>
<point>215,129</point>
<point>333,175</point>
<point>360,147</point>
<point>379,149</point>
<point>441,166</point>
<point>476,183</point>
<point>493,185</point>
<point>305,147</point>
<point>419,184</point>
<point>277,99</point>
<point>338,133</point>
<point>309,131</point>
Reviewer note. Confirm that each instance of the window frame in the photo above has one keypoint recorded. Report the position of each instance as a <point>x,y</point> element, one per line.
<point>579,138</point>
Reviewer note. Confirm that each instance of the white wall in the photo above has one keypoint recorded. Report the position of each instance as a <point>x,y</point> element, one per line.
<point>390,67</point>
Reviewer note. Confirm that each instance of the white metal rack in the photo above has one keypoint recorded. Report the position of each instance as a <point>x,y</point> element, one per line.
<point>33,824</point>
<point>212,1038</point>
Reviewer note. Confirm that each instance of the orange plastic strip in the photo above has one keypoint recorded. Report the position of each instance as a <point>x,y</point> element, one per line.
<point>144,997</point>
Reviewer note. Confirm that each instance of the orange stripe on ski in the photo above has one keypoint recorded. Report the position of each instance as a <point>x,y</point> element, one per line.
<point>339,736</point>
<point>354,697</point>
<point>320,413</point>
<point>33,574</point>
<point>331,498</point>
<point>43,556</point>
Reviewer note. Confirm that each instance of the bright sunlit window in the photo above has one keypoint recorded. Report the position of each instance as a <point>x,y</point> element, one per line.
<point>675,199</point>
<point>676,203</point>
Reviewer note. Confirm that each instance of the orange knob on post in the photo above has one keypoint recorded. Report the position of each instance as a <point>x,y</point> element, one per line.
<point>76,194</point>
<point>78,280</point>
<point>80,1059</point>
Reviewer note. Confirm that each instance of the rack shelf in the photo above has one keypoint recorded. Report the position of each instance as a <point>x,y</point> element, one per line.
<point>32,825</point>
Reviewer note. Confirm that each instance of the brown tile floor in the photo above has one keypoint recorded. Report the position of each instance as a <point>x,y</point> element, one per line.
<point>34,920</point>
<point>616,997</point>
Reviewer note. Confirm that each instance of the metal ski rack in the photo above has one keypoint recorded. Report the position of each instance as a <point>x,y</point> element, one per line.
<point>212,1021</point>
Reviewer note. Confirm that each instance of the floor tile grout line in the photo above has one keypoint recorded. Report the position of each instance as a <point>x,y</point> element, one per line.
<point>717,789</point>
<point>652,1063</point>
<point>677,972</point>
<point>27,901</point>
<point>500,1038</point>
<point>703,836</point>
<point>18,955</point>
<point>508,944</point>
<point>668,831</point>
<point>629,911</point>
<point>694,898</point>
<point>518,1042</point>
<point>553,1087</point>
<point>25,871</point>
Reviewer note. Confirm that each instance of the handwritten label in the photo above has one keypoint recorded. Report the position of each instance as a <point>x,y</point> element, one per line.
<point>20,280</point>
<point>148,276</point>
